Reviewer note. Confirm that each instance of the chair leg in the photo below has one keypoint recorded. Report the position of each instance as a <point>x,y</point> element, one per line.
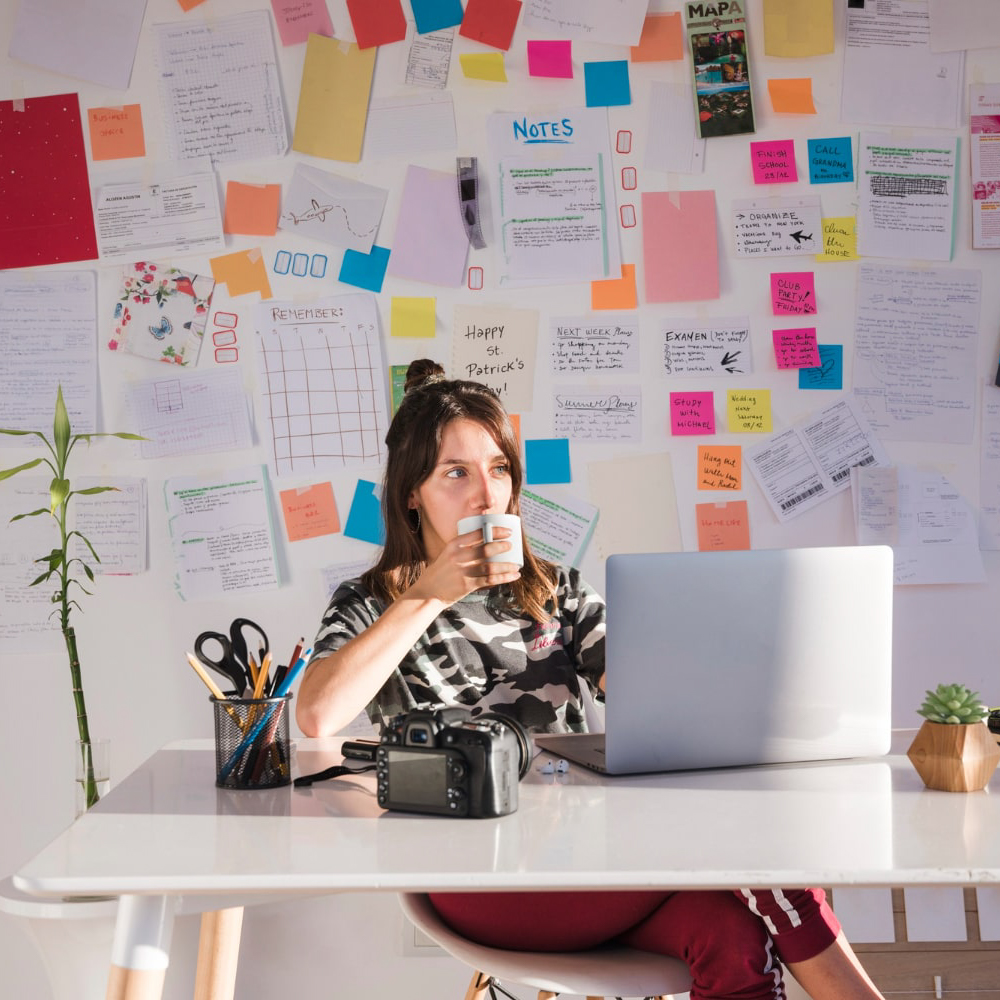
<point>478,987</point>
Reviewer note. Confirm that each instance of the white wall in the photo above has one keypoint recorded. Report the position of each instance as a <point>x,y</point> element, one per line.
<point>134,631</point>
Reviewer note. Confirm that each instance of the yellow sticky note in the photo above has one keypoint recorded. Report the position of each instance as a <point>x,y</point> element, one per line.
<point>792,96</point>
<point>483,66</point>
<point>797,29</point>
<point>333,99</point>
<point>413,317</point>
<point>615,293</point>
<point>748,411</point>
<point>840,239</point>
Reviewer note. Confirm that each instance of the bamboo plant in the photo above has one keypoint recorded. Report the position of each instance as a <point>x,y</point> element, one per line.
<point>61,564</point>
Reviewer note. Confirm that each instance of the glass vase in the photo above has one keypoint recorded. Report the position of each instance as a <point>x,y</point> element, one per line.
<point>93,773</point>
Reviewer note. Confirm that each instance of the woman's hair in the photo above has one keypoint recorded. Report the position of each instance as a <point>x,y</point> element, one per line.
<point>431,402</point>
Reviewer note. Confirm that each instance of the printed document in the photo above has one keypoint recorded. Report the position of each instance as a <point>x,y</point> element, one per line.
<point>989,471</point>
<point>557,524</point>
<point>984,134</point>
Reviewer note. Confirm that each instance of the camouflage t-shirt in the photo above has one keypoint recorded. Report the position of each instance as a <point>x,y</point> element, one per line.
<point>487,661</point>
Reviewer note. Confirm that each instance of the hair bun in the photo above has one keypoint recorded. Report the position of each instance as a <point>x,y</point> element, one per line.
<point>423,372</point>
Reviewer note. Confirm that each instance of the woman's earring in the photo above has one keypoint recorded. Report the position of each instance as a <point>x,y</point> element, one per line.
<point>415,528</point>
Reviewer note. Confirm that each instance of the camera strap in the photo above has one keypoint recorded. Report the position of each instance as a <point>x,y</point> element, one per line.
<point>337,771</point>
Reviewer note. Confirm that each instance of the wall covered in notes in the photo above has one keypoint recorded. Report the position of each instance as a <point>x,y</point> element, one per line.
<point>737,284</point>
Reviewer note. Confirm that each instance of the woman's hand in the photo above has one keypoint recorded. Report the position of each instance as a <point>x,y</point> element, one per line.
<point>463,567</point>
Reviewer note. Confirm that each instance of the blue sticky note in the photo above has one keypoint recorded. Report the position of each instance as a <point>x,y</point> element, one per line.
<point>606,83</point>
<point>433,15</point>
<point>829,374</point>
<point>547,460</point>
<point>831,161</point>
<point>366,270</point>
<point>365,518</point>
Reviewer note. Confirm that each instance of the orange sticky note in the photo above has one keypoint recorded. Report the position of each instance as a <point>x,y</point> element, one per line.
<point>615,293</point>
<point>792,97</point>
<point>662,39</point>
<point>242,272</point>
<point>190,4</point>
<point>310,512</point>
<point>116,133</point>
<point>723,526</point>
<point>515,422</point>
<point>251,209</point>
<point>720,467</point>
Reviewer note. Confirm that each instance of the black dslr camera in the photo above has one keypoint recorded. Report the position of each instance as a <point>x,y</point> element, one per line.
<point>447,763</point>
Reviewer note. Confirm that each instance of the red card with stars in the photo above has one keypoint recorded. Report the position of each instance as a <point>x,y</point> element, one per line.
<point>46,215</point>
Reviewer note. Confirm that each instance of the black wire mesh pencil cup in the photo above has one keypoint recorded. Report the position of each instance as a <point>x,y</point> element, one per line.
<point>251,742</point>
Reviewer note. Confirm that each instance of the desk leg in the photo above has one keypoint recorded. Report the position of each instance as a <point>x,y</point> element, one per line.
<point>218,954</point>
<point>140,953</point>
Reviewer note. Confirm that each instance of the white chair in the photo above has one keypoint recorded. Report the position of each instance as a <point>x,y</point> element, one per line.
<point>598,972</point>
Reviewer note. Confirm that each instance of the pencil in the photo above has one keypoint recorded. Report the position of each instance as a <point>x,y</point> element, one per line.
<point>258,688</point>
<point>214,688</point>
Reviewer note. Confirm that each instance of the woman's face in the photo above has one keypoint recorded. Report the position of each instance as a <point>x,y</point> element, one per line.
<point>471,476</point>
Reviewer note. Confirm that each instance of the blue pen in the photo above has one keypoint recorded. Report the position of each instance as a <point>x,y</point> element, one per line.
<point>280,692</point>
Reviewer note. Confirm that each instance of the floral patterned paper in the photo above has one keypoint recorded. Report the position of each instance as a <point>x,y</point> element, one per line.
<point>161,313</point>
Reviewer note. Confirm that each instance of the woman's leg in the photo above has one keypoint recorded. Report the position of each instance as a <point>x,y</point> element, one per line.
<point>811,943</point>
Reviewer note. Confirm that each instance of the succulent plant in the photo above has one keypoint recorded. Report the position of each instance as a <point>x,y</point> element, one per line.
<point>953,704</point>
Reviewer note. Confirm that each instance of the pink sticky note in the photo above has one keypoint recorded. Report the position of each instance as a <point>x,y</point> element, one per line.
<point>298,19</point>
<point>793,293</point>
<point>773,161</point>
<point>550,58</point>
<point>679,249</point>
<point>796,348</point>
<point>692,413</point>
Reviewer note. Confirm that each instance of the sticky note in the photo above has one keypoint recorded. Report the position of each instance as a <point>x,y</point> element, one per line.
<point>793,293</point>
<point>831,161</point>
<point>679,246</point>
<point>615,293</point>
<point>692,413</point>
<point>242,272</point>
<point>377,22</point>
<point>309,512</point>
<point>662,39</point>
<point>795,348</point>
<point>792,96</point>
<point>413,317</point>
<point>436,15</point>
<point>720,467</point>
<point>829,374</point>
<point>483,66</point>
<point>723,526</point>
<point>366,270</point>
<point>298,19</point>
<point>251,209</point>
<point>606,83</point>
<point>491,22</point>
<point>840,239</point>
<point>364,520</point>
<point>748,411</point>
<point>547,460</point>
<point>116,133</point>
<point>773,162</point>
<point>551,58</point>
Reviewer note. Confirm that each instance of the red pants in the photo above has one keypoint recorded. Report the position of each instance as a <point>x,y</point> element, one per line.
<point>724,937</point>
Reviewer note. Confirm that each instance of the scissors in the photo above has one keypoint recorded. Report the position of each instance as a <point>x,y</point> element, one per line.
<point>233,662</point>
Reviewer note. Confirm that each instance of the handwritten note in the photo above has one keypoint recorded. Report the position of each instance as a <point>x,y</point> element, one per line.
<point>840,239</point>
<point>720,467</point>
<point>692,413</point>
<point>586,413</point>
<point>831,161</point>
<point>796,348</point>
<point>749,411</point>
<point>723,526</point>
<point>773,161</point>
<point>583,344</point>
<point>715,347</point>
<point>829,373</point>
<point>777,227</point>
<point>219,89</point>
<point>309,511</point>
<point>793,293</point>
<point>298,19</point>
<point>116,133</point>
<point>497,346</point>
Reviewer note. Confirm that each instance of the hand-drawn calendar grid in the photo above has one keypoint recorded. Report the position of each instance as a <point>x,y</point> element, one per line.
<point>322,387</point>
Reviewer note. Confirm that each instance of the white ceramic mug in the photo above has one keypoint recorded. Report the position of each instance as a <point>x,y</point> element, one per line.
<point>487,522</point>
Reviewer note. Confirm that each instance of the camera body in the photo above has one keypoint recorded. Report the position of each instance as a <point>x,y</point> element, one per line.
<point>445,763</point>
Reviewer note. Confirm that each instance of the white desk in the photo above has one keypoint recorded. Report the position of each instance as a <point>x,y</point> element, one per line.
<point>166,836</point>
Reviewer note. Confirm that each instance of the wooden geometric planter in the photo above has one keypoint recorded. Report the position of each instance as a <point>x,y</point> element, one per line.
<point>954,758</point>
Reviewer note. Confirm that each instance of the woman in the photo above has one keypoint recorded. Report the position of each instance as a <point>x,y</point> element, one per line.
<point>434,623</point>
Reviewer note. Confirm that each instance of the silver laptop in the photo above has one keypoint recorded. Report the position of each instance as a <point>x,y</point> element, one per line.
<point>717,659</point>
